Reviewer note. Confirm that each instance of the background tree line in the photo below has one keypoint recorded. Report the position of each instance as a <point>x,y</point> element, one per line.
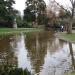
<point>36,13</point>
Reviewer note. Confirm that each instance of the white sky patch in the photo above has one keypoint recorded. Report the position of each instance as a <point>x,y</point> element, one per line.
<point>47,1</point>
<point>65,3</point>
<point>20,5</point>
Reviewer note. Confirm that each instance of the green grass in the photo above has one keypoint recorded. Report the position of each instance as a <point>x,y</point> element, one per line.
<point>73,73</point>
<point>67,37</point>
<point>12,30</point>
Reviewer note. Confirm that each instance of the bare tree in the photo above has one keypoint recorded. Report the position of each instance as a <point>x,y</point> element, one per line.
<point>71,12</point>
<point>52,13</point>
<point>53,6</point>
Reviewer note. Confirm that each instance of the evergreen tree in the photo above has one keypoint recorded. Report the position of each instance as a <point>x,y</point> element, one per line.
<point>7,13</point>
<point>3,10</point>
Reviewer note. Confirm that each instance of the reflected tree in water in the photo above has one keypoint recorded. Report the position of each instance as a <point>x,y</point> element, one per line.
<point>7,58</point>
<point>37,48</point>
<point>36,45</point>
<point>72,55</point>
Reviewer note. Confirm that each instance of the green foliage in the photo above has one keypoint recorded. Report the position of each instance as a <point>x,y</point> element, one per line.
<point>16,71</point>
<point>19,72</point>
<point>19,20</point>
<point>24,24</point>
<point>36,9</point>
<point>28,15</point>
<point>41,19</point>
<point>7,13</point>
<point>3,10</point>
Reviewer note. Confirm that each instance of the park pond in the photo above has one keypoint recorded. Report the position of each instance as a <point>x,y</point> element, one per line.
<point>42,53</point>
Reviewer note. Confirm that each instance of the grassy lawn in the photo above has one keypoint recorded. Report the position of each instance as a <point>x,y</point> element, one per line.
<point>73,73</point>
<point>67,37</point>
<point>11,30</point>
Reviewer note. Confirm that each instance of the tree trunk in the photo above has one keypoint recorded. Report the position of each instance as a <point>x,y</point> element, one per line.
<point>69,27</point>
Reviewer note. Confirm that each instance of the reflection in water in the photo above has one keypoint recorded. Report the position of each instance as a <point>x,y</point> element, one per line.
<point>72,55</point>
<point>20,51</point>
<point>7,58</point>
<point>37,46</point>
<point>47,53</point>
<point>41,53</point>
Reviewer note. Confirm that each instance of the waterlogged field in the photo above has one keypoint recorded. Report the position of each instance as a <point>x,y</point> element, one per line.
<point>41,53</point>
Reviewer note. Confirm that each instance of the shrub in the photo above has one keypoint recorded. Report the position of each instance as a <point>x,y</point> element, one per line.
<point>16,71</point>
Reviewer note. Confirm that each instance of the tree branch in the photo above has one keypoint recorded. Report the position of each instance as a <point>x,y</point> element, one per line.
<point>62,7</point>
<point>71,2</point>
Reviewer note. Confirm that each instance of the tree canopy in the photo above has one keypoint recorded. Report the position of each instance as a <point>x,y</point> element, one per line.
<point>7,13</point>
<point>35,9</point>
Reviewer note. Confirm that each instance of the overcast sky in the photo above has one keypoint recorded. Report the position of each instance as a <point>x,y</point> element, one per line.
<point>20,4</point>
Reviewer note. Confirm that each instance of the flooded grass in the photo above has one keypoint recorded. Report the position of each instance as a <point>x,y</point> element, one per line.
<point>40,52</point>
<point>19,30</point>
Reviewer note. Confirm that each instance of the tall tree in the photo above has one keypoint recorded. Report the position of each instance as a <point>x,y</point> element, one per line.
<point>52,13</point>
<point>7,13</point>
<point>28,15</point>
<point>35,8</point>
<point>3,10</point>
<point>11,12</point>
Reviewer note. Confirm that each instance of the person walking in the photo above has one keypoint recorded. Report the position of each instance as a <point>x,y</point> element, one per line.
<point>62,28</point>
